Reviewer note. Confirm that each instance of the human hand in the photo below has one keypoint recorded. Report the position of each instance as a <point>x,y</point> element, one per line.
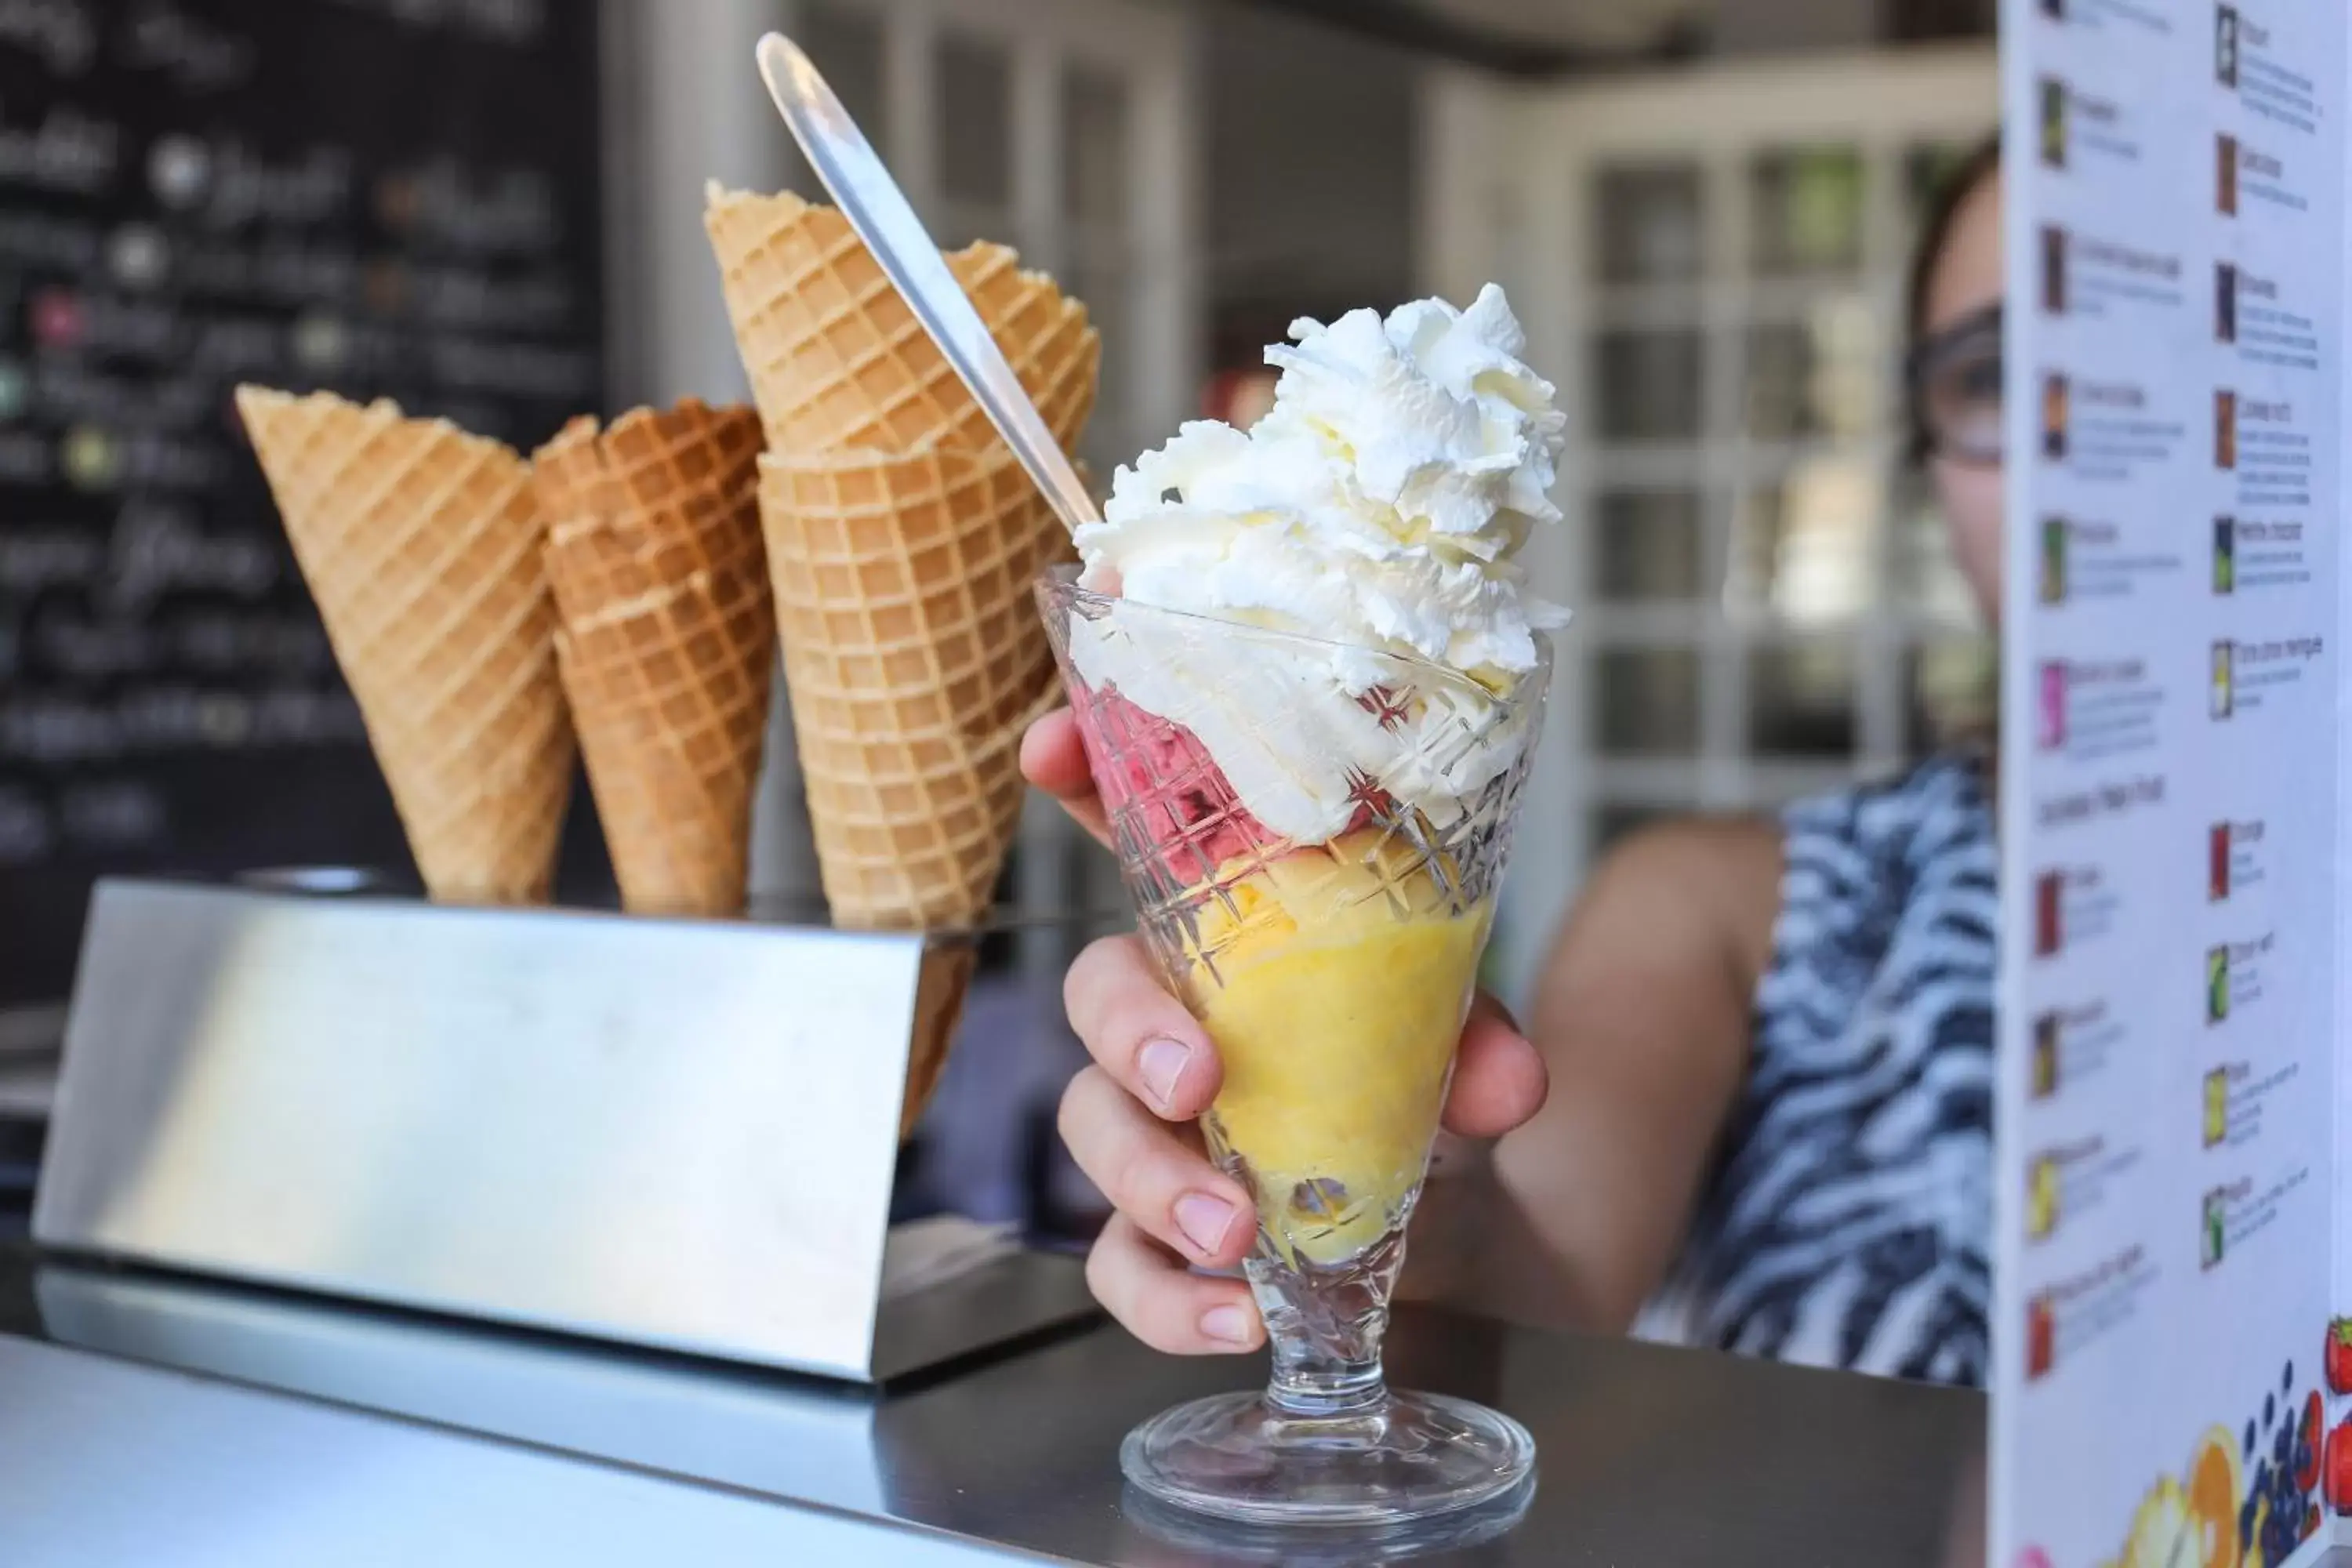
<point>1130,1119</point>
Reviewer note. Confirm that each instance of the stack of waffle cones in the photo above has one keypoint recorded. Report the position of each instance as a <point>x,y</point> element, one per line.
<point>666,641</point>
<point>422,546</point>
<point>903,539</point>
<point>636,582</point>
<point>468,594</point>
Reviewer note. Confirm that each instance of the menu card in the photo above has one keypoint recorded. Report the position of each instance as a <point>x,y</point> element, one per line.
<point>388,197</point>
<point>2174,1234</point>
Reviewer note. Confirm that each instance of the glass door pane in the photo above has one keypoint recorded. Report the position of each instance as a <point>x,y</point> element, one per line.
<point>1647,224</point>
<point>1807,206</point>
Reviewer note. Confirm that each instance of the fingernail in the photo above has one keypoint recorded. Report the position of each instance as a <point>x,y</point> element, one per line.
<point>1204,1220</point>
<point>1161,1063</point>
<point>1229,1324</point>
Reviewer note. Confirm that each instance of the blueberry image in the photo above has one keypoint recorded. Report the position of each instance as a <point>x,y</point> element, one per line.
<point>2270,1411</point>
<point>2286,1379</point>
<point>2250,1439</point>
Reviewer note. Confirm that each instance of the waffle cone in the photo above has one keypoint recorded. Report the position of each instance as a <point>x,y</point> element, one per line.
<point>421,547</point>
<point>838,362</point>
<point>916,661</point>
<point>666,641</point>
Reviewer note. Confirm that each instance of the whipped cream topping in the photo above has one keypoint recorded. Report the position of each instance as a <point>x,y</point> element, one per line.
<point>1381,506</point>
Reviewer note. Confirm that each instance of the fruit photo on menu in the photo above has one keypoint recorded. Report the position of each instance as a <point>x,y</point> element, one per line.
<point>2053,269</point>
<point>2225,302</point>
<point>2217,874</point>
<point>2225,46</point>
<point>2225,194</point>
<point>2216,985</point>
<point>2217,1106</point>
<point>2225,431</point>
<point>2053,417</point>
<point>2041,1198</point>
<point>2049,896</point>
<point>2053,123</point>
<point>2051,729</point>
<point>2054,561</point>
<point>2040,1338</point>
<point>2336,1447</point>
<point>2045,1056</point>
<point>2213,1229</point>
<point>2225,555</point>
<point>2224,701</point>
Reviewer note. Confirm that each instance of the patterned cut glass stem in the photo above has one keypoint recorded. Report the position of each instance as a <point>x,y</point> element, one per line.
<point>1333,974</point>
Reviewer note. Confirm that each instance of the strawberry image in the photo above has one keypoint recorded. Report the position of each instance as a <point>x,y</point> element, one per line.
<point>2339,1356</point>
<point>2338,1469</point>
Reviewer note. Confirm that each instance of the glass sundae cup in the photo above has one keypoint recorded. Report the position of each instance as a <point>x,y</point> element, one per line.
<point>1333,972</point>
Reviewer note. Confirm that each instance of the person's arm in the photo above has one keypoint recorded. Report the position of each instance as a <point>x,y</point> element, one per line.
<point>1643,1015</point>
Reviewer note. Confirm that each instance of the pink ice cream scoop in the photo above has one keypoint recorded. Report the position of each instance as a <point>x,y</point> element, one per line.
<point>1159,781</point>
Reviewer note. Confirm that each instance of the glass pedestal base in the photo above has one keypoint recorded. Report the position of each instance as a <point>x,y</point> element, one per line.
<point>1412,1457</point>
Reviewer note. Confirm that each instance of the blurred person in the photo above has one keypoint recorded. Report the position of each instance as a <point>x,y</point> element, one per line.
<point>1755,1092</point>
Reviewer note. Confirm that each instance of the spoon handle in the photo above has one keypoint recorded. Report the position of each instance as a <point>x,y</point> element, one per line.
<point>879,212</point>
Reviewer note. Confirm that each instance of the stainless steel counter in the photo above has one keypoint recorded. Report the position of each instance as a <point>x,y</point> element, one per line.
<point>313,1431</point>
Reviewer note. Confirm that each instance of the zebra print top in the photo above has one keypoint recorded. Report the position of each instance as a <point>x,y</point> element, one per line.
<point>1850,1222</point>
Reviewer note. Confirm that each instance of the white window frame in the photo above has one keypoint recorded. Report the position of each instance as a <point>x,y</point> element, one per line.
<point>1505,175</point>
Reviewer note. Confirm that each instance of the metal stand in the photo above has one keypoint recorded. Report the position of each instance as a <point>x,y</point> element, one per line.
<point>674,1134</point>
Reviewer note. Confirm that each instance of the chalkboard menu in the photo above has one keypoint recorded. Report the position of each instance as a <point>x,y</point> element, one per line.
<point>387,197</point>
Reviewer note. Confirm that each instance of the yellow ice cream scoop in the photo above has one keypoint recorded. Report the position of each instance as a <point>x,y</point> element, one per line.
<point>1334,981</point>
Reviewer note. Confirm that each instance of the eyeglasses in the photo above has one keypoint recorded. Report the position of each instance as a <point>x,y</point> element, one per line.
<point>1955,380</point>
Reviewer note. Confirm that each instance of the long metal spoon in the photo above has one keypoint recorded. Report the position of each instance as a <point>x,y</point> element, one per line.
<point>879,212</point>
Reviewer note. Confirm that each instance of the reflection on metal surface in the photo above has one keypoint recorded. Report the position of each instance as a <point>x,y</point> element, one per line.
<point>1327,1548</point>
<point>325,881</point>
<point>674,1134</point>
<point>113,1466</point>
<point>1650,1455</point>
<point>802,1439</point>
